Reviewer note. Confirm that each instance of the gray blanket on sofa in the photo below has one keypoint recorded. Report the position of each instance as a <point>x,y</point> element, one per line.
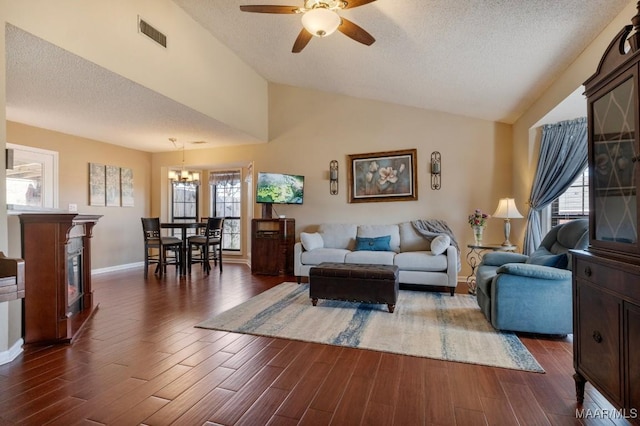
<point>431,228</point>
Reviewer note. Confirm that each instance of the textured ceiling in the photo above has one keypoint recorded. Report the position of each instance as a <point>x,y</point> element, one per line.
<point>487,59</point>
<point>51,88</point>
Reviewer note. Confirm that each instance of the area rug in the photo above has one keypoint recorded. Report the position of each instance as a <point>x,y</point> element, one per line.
<point>424,324</point>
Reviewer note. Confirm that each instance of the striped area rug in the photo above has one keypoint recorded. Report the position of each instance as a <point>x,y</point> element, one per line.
<point>424,324</point>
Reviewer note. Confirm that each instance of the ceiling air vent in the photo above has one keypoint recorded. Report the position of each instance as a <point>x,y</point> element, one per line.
<point>151,32</point>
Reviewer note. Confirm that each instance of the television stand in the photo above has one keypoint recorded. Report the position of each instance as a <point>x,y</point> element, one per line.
<point>272,242</point>
<point>267,211</point>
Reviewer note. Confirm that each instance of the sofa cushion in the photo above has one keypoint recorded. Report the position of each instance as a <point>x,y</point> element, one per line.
<point>370,257</point>
<point>373,244</point>
<point>411,240</point>
<point>440,243</point>
<point>319,255</point>
<point>372,231</point>
<point>420,261</point>
<point>311,241</point>
<point>545,258</point>
<point>339,235</point>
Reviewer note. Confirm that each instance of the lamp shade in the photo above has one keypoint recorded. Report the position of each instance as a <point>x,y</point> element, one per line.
<point>507,209</point>
<point>321,22</point>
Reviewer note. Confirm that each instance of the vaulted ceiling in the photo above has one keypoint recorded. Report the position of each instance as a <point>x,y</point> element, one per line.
<point>487,59</point>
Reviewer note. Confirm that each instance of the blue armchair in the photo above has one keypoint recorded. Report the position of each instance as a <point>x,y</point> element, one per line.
<point>532,293</point>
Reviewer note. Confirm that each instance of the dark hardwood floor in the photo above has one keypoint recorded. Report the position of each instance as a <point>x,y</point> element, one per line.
<point>141,361</point>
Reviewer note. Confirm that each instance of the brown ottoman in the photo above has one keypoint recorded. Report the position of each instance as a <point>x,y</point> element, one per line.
<point>354,283</point>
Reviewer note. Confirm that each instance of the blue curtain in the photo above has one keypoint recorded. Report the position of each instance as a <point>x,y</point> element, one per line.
<point>563,157</point>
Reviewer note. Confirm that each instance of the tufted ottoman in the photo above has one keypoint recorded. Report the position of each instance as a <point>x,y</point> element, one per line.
<point>355,283</point>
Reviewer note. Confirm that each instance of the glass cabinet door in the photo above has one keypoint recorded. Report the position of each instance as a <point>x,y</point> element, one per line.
<point>614,153</point>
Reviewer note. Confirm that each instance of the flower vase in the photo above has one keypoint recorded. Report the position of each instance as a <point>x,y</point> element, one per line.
<point>478,230</point>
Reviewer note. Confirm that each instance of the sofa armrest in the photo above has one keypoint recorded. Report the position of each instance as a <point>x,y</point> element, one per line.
<point>532,305</point>
<point>297,259</point>
<point>453,265</point>
<point>534,271</point>
<point>499,258</point>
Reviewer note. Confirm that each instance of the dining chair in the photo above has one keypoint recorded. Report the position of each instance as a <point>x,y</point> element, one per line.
<point>157,246</point>
<point>208,246</point>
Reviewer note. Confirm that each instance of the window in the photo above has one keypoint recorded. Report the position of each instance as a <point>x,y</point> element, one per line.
<point>184,202</point>
<point>226,201</point>
<point>574,203</point>
<point>32,181</point>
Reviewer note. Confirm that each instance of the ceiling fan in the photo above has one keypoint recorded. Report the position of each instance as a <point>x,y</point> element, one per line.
<point>320,18</point>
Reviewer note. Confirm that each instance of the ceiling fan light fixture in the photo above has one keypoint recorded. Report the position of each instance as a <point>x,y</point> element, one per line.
<point>321,21</point>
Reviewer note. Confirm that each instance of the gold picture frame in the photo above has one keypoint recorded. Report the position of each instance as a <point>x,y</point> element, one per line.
<point>383,176</point>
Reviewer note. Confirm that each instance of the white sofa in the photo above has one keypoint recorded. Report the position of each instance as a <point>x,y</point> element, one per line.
<point>409,250</point>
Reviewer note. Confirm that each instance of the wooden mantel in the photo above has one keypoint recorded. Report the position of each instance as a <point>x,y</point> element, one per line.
<point>47,239</point>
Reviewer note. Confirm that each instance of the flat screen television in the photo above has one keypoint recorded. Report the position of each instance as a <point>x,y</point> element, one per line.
<point>279,188</point>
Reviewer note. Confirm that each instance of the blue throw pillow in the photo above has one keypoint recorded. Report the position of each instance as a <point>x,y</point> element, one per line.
<point>373,244</point>
<point>554,260</point>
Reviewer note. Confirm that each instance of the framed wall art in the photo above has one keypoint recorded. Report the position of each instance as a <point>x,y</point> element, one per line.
<point>113,186</point>
<point>126,186</point>
<point>383,176</point>
<point>97,181</point>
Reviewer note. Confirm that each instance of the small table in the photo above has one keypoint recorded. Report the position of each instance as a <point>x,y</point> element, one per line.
<point>183,226</point>
<point>474,257</point>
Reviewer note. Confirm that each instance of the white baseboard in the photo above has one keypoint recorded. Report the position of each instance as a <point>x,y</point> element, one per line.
<point>117,268</point>
<point>11,354</point>
<point>227,259</point>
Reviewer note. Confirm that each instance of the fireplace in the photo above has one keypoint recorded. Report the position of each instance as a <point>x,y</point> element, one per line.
<point>58,300</point>
<point>75,286</point>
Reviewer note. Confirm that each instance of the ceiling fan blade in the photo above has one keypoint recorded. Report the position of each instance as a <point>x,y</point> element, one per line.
<point>355,3</point>
<point>301,41</point>
<point>354,31</point>
<point>269,9</point>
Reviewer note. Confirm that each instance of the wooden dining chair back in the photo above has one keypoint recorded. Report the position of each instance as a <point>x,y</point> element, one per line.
<point>208,246</point>
<point>159,250</point>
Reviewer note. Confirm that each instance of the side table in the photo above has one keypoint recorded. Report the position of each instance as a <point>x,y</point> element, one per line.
<point>474,257</point>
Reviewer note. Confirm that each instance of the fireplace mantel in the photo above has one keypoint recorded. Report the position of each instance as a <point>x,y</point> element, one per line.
<point>56,248</point>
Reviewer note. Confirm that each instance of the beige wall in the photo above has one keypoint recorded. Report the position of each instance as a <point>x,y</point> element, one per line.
<point>117,239</point>
<point>526,136</point>
<point>308,129</point>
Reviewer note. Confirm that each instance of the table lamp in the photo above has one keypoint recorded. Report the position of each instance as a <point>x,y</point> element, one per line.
<point>507,209</point>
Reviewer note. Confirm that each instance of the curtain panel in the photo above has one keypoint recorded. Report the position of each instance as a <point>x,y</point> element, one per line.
<point>224,178</point>
<point>563,157</point>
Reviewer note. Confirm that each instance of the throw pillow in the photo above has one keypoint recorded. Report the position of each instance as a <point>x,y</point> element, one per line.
<point>373,244</point>
<point>554,260</point>
<point>439,244</point>
<point>311,241</point>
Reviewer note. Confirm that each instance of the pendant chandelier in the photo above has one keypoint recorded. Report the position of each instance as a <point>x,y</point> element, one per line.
<point>183,175</point>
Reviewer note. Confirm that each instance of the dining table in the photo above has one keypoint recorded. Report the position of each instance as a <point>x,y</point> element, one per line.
<point>183,226</point>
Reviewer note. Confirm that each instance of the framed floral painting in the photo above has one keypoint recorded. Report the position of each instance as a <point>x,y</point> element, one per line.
<point>383,176</point>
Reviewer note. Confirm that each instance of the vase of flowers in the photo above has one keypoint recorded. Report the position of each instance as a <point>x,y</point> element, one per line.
<point>478,221</point>
<point>477,234</point>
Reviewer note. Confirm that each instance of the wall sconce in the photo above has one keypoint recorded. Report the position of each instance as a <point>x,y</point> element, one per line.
<point>333,177</point>
<point>436,162</point>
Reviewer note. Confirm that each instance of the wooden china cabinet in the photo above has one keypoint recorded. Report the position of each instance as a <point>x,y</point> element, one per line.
<point>606,276</point>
